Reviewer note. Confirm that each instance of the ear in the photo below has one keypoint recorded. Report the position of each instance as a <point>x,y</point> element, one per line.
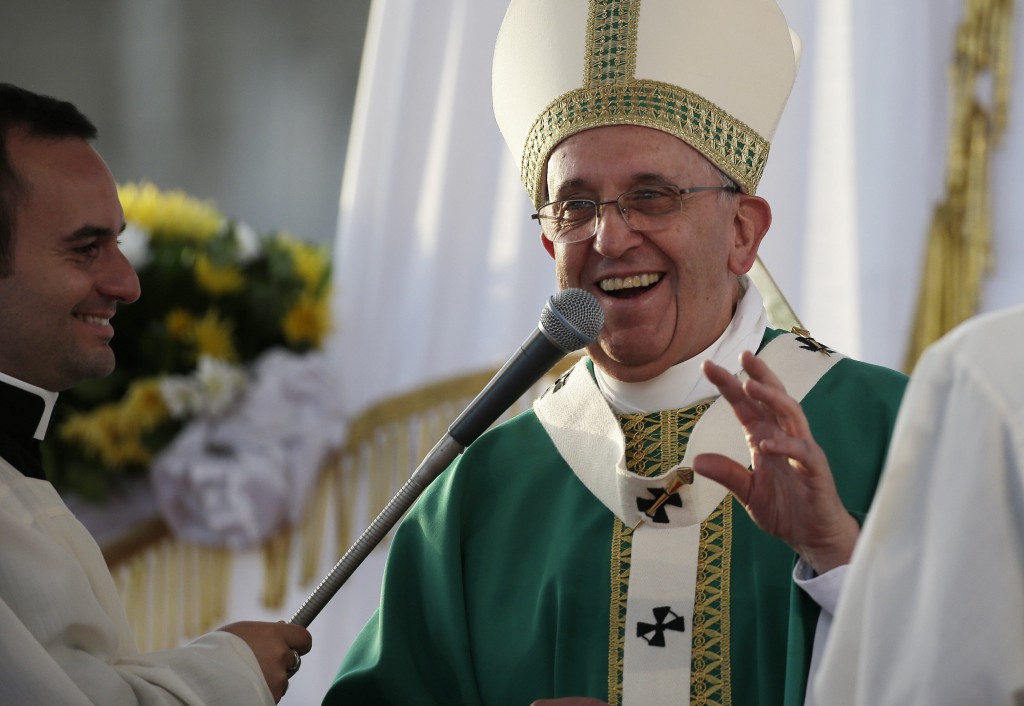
<point>751,220</point>
<point>548,245</point>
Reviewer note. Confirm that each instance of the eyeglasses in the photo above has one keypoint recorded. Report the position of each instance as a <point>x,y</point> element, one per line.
<point>646,208</point>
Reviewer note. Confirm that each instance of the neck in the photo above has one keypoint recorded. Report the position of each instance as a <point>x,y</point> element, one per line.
<point>684,384</point>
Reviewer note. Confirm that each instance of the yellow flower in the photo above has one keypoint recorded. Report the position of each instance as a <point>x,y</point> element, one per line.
<point>217,280</point>
<point>213,337</point>
<point>307,322</point>
<point>310,263</point>
<point>143,406</point>
<point>170,214</point>
<point>118,442</point>
<point>211,334</point>
<point>179,324</point>
<point>106,434</point>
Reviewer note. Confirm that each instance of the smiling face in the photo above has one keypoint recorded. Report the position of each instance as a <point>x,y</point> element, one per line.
<point>68,273</point>
<point>667,294</point>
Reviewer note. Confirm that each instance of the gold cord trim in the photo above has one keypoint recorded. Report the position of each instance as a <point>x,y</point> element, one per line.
<point>314,523</point>
<point>173,591</point>
<point>275,568</point>
<point>959,249</point>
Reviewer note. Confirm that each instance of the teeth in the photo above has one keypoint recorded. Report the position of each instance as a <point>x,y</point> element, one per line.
<point>93,320</point>
<point>613,283</point>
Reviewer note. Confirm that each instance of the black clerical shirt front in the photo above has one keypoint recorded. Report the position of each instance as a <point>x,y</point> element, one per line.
<point>20,414</point>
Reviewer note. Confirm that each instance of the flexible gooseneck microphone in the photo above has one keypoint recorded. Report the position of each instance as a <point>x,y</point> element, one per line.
<point>571,319</point>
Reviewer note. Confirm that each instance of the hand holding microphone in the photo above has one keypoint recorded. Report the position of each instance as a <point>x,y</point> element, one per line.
<point>571,319</point>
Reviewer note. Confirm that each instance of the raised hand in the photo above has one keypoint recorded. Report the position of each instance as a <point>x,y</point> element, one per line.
<point>790,493</point>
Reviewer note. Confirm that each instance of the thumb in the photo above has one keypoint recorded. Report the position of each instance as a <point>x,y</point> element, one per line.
<point>737,479</point>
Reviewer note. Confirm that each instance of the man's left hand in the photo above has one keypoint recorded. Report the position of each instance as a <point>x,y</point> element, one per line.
<point>790,493</point>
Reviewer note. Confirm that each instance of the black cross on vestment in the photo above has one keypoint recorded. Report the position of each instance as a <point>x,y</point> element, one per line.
<point>645,505</point>
<point>660,626</point>
<point>809,344</point>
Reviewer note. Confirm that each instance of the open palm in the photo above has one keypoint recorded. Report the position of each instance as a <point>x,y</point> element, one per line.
<point>788,489</point>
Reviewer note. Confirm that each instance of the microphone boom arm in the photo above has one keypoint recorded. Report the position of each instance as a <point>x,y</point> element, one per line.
<point>443,453</point>
<point>571,319</point>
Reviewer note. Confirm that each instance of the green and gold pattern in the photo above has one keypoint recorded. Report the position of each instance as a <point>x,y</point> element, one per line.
<point>709,681</point>
<point>622,544</point>
<point>611,42</point>
<point>654,443</point>
<point>612,94</point>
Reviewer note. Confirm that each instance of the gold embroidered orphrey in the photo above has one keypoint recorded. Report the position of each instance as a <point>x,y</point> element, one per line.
<point>655,442</point>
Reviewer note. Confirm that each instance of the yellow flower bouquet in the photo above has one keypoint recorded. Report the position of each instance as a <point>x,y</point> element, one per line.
<point>212,290</point>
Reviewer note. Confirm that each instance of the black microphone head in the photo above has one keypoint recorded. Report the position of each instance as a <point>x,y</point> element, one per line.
<point>571,319</point>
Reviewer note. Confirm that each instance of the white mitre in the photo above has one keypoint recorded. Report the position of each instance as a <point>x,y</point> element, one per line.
<point>714,73</point>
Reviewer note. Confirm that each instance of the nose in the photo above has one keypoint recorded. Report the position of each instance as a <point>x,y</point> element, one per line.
<point>119,280</point>
<point>612,235</point>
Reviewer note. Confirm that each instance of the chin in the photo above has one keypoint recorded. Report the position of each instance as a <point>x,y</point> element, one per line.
<point>98,367</point>
<point>627,368</point>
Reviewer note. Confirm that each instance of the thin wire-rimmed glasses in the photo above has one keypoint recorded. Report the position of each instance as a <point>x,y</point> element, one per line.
<point>646,208</point>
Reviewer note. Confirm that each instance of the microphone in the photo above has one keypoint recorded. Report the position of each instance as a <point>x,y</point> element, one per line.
<point>571,319</point>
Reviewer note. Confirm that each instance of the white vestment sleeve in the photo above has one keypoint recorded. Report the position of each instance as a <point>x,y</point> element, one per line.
<point>64,636</point>
<point>933,608</point>
<point>825,590</point>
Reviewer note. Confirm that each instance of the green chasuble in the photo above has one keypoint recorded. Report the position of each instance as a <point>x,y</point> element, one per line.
<point>510,580</point>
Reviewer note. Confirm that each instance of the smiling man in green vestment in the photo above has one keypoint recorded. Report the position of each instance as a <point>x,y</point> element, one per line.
<point>582,552</point>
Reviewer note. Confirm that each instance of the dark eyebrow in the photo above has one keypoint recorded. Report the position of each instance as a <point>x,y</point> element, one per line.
<point>652,176</point>
<point>89,232</point>
<point>639,178</point>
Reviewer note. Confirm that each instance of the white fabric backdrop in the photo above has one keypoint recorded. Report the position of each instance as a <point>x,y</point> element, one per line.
<point>439,270</point>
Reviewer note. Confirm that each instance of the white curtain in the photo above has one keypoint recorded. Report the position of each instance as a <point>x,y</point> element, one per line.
<point>857,164</point>
<point>439,270</point>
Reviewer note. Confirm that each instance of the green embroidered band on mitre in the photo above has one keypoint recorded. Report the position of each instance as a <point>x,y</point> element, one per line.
<point>727,142</point>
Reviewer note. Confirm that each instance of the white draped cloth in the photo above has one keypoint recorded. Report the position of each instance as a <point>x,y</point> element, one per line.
<point>933,609</point>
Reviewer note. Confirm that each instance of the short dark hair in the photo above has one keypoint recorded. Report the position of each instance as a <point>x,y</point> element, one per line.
<point>40,116</point>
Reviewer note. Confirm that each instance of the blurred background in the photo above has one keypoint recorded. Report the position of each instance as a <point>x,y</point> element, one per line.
<point>365,127</point>
<point>245,102</point>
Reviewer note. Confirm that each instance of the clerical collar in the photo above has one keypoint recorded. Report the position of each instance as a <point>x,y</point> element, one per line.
<point>24,408</point>
<point>683,385</point>
<point>25,412</point>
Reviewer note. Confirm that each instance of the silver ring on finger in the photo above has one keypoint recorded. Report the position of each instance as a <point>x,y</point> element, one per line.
<point>296,663</point>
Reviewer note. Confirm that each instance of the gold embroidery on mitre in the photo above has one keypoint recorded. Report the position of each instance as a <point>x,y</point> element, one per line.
<point>611,42</point>
<point>733,146</point>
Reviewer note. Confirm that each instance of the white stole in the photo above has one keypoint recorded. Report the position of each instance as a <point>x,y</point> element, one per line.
<point>664,554</point>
